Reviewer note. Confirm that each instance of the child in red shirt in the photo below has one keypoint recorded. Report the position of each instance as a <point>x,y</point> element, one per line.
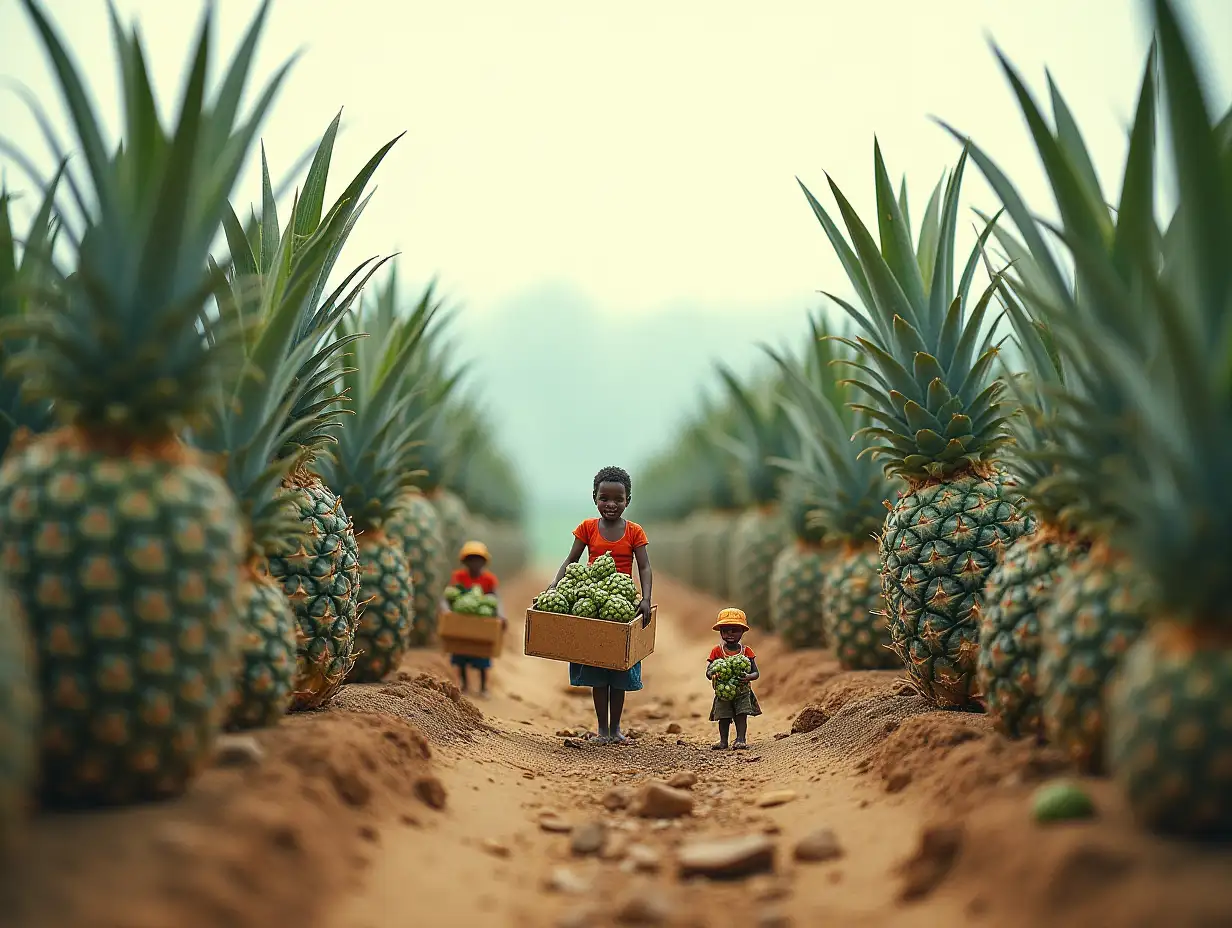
<point>731,626</point>
<point>611,534</point>
<point>473,572</point>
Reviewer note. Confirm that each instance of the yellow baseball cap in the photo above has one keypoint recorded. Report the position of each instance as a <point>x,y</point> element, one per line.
<point>474,549</point>
<point>732,616</point>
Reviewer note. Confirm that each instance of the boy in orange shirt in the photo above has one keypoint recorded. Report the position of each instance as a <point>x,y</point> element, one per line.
<point>731,626</point>
<point>474,571</point>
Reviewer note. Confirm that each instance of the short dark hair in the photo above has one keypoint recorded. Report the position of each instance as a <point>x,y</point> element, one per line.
<point>613,475</point>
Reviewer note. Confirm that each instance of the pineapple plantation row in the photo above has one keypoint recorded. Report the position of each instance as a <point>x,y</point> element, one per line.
<point>1007,473</point>
<point>232,479</point>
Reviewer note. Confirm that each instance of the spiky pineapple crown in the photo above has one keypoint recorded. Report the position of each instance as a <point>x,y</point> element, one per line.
<point>372,464</point>
<point>25,268</point>
<point>1176,518</point>
<point>761,433</point>
<point>849,489</point>
<point>281,409</point>
<point>118,346</point>
<point>927,358</point>
<point>1071,441</point>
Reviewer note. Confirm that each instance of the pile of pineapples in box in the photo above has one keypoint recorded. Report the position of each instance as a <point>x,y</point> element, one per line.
<point>596,591</point>
<point>213,500</point>
<point>471,602</point>
<point>1008,476</point>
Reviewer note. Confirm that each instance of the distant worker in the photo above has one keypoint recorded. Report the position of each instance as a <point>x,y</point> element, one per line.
<point>474,572</point>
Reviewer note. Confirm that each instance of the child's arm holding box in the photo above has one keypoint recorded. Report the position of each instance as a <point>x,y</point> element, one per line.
<point>574,553</point>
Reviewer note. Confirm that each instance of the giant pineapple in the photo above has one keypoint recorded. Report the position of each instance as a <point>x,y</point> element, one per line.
<point>22,269</point>
<point>926,372</point>
<point>310,558</point>
<point>850,492</point>
<point>1064,605</point>
<point>371,468</point>
<point>279,411</point>
<point>122,544</point>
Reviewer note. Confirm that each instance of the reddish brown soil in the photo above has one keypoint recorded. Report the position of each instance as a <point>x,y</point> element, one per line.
<point>406,804</point>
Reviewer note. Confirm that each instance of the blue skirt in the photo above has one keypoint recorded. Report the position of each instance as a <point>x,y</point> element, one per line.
<point>585,675</point>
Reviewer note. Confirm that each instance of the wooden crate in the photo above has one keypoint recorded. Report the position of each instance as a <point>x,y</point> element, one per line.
<point>470,635</point>
<point>611,645</point>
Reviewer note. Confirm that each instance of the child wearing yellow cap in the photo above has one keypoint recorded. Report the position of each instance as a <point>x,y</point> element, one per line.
<point>474,558</point>
<point>731,626</point>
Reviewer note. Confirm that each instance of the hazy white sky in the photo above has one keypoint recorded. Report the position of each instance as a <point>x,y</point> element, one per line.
<point>637,159</point>
<point>642,152</point>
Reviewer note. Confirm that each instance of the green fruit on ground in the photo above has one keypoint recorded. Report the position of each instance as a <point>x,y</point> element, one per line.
<point>19,716</point>
<point>387,614</point>
<point>585,608</point>
<point>1061,802</point>
<point>268,645</point>
<point>321,579</point>
<point>855,610</point>
<point>1170,732</point>
<point>1016,591</point>
<point>1097,612</point>
<point>928,373</point>
<point>417,527</point>
<point>797,595</point>
<point>759,535</point>
<point>129,570</point>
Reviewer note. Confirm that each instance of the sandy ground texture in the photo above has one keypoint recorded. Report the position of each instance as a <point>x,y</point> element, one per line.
<point>406,804</point>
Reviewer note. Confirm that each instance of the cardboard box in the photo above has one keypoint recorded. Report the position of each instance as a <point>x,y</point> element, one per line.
<point>470,635</point>
<point>611,645</point>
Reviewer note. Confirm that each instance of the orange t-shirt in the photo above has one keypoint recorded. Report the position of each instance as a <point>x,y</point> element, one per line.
<point>720,651</point>
<point>621,551</point>
<point>462,578</point>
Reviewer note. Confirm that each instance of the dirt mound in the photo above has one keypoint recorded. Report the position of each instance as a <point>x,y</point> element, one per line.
<point>793,676</point>
<point>432,703</point>
<point>267,836</point>
<point>958,755</point>
<point>1010,871</point>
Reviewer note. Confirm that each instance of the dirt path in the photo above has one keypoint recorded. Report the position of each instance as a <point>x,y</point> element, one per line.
<point>405,804</point>
<point>502,785</point>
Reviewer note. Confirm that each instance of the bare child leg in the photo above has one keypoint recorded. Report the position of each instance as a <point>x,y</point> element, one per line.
<point>616,707</point>
<point>483,680</point>
<point>601,696</point>
<point>462,677</point>
<point>742,729</point>
<point>724,728</point>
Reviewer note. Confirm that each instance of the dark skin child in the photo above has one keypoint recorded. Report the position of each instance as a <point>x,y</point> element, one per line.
<point>731,636</point>
<point>475,565</point>
<point>611,500</point>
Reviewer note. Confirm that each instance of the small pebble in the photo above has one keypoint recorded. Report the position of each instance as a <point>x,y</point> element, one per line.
<point>776,798</point>
<point>674,728</point>
<point>588,838</point>
<point>238,751</point>
<point>682,779</point>
<point>564,880</point>
<point>818,845</point>
<point>495,848</point>
<point>555,823</point>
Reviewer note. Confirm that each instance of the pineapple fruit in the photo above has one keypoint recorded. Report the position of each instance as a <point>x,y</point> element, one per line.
<point>281,412</point>
<point>18,721</point>
<point>122,544</point>
<point>849,492</point>
<point>371,467</point>
<point>417,527</point>
<point>796,601</point>
<point>926,373</point>
<point>1064,606</point>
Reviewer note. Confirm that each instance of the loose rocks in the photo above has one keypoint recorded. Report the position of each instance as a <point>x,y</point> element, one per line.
<point>658,800</point>
<point>588,838</point>
<point>728,857</point>
<point>819,845</point>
